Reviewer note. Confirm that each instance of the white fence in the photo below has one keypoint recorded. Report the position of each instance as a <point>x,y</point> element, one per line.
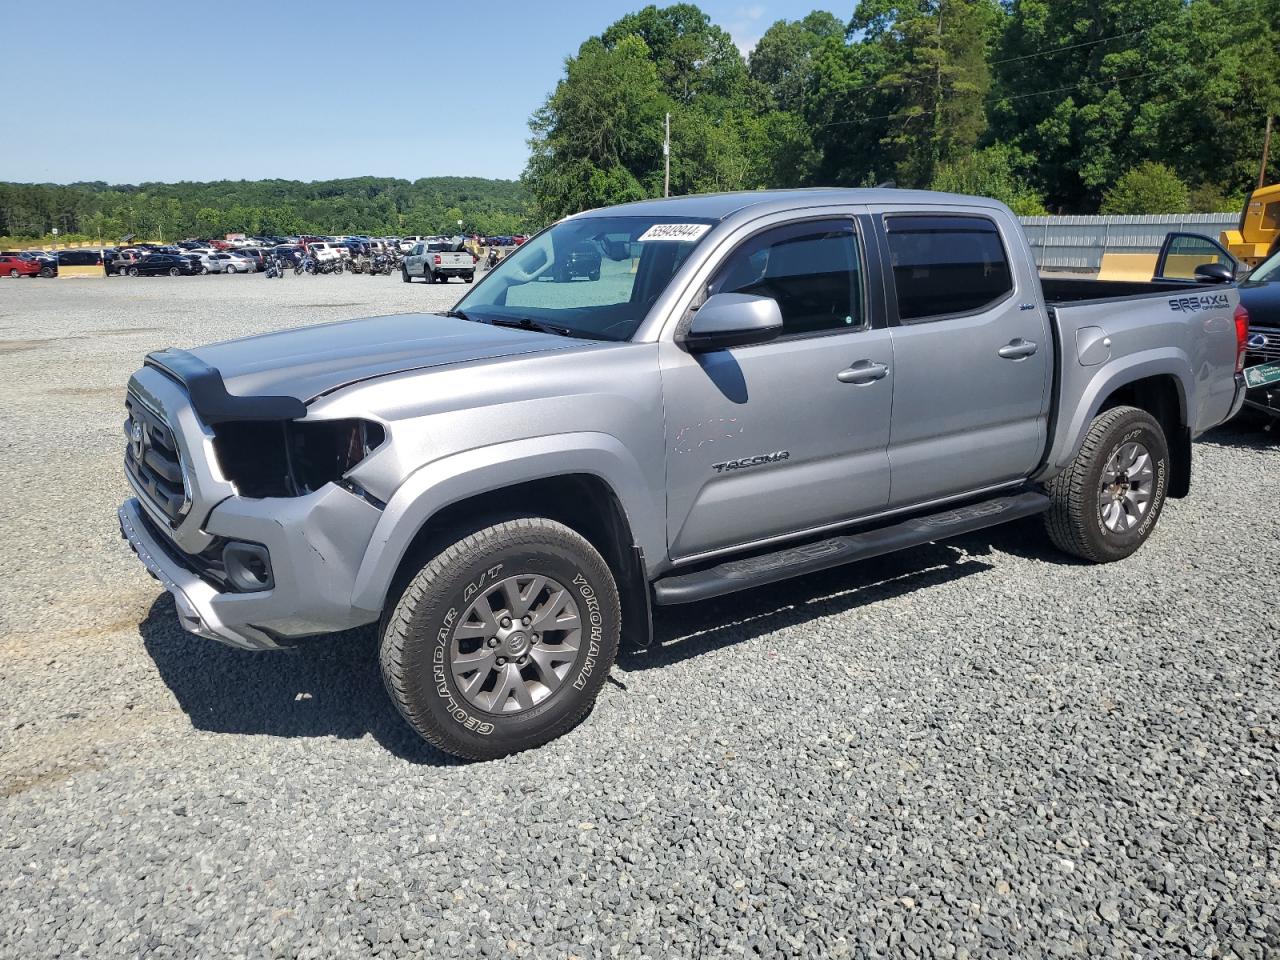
<point>1077,243</point>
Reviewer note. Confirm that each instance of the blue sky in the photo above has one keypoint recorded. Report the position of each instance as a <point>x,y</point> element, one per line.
<point>300,90</point>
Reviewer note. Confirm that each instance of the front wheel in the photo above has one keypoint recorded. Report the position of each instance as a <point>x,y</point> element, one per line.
<point>503,640</point>
<point>133,271</point>
<point>1105,505</point>
<point>13,274</point>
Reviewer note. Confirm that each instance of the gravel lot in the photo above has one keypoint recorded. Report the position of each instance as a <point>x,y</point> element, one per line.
<point>977,749</point>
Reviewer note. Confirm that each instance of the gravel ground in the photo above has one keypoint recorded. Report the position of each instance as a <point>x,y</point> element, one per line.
<point>978,749</point>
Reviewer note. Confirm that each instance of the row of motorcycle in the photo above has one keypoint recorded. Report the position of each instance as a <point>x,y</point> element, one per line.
<point>376,265</point>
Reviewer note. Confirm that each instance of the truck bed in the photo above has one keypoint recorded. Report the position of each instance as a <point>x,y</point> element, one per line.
<point>1063,290</point>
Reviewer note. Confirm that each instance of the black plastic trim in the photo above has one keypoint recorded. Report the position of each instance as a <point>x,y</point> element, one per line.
<point>209,396</point>
<point>756,571</point>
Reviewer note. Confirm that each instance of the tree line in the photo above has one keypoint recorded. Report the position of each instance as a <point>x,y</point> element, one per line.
<point>371,206</point>
<point>1054,106</point>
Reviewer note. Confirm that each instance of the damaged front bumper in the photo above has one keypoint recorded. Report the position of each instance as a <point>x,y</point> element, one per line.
<point>315,544</point>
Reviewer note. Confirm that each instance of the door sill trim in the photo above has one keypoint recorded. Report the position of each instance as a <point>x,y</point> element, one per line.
<point>841,524</point>
<point>796,561</point>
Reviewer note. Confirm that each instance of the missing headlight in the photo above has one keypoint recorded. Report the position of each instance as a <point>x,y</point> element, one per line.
<point>294,457</point>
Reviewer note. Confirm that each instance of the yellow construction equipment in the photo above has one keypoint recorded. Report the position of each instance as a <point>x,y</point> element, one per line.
<point>1259,234</point>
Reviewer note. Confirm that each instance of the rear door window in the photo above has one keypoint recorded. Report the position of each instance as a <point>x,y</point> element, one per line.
<point>946,266</point>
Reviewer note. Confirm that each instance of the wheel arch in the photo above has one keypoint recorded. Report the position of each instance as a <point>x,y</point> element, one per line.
<point>588,490</point>
<point>1161,396</point>
<point>1160,383</point>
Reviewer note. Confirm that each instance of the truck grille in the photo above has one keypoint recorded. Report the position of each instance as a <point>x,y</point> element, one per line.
<point>1263,345</point>
<point>152,461</point>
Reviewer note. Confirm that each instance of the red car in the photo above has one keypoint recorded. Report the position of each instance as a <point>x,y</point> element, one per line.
<point>18,267</point>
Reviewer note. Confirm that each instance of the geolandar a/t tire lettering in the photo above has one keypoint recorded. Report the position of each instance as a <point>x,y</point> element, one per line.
<point>1106,504</point>
<point>503,640</point>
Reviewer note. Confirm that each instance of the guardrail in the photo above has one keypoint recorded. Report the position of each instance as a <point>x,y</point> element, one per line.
<point>1078,243</point>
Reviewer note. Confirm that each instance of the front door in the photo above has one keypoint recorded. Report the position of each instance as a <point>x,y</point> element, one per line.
<point>1182,254</point>
<point>973,353</point>
<point>776,438</point>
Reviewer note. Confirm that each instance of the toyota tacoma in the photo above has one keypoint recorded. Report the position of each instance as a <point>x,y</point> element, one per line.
<point>754,387</point>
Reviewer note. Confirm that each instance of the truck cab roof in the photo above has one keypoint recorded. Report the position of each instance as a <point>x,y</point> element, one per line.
<point>721,206</point>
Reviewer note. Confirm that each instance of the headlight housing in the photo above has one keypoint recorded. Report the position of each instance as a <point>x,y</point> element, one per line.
<point>292,458</point>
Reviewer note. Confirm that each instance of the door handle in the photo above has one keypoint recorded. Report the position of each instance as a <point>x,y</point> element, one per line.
<point>864,371</point>
<point>1018,349</point>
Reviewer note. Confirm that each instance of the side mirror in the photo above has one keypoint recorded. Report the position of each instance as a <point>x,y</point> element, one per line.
<point>732,320</point>
<point>1215,273</point>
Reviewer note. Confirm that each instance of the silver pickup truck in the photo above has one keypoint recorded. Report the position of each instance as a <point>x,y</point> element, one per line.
<point>756,386</point>
<point>435,261</point>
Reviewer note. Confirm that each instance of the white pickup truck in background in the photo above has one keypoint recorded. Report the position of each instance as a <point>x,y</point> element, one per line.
<point>437,261</point>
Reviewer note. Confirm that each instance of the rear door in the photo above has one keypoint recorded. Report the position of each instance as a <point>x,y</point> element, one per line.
<point>972,353</point>
<point>773,439</point>
<point>413,260</point>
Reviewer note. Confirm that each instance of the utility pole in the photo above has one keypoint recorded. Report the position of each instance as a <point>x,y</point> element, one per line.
<point>666,157</point>
<point>1266,155</point>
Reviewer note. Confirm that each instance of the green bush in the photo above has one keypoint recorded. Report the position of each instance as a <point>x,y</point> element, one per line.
<point>1149,188</point>
<point>996,173</point>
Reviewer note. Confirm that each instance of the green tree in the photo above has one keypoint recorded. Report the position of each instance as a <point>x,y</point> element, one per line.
<point>938,77</point>
<point>995,172</point>
<point>782,61</point>
<point>1078,88</point>
<point>597,139</point>
<point>694,58</point>
<point>1149,188</point>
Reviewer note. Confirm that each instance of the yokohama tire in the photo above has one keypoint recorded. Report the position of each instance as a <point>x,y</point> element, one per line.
<point>418,636</point>
<point>1076,521</point>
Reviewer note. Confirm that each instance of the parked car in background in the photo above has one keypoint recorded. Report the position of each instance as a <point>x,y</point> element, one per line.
<point>15,265</point>
<point>323,251</point>
<point>80,258</point>
<point>290,253</point>
<point>229,262</point>
<point>582,261</point>
<point>1260,295</point>
<point>163,264</point>
<point>254,255</point>
<point>436,262</point>
<point>117,264</point>
<point>48,262</point>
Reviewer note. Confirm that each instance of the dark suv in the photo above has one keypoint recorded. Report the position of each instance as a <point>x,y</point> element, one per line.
<point>582,261</point>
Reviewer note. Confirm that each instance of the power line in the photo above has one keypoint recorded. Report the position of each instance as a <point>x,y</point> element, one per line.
<point>1028,56</point>
<point>1074,46</point>
<point>1020,96</point>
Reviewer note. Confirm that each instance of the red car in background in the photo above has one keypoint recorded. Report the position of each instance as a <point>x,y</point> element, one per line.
<point>11,266</point>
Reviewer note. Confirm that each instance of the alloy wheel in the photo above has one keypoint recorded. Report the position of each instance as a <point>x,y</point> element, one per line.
<point>1126,487</point>
<point>515,644</point>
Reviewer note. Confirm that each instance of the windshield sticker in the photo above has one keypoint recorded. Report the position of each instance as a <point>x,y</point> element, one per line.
<point>685,232</point>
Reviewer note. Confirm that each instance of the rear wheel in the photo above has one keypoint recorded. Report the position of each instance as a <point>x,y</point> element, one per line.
<point>174,271</point>
<point>503,640</point>
<point>13,273</point>
<point>1106,504</point>
<point>468,277</point>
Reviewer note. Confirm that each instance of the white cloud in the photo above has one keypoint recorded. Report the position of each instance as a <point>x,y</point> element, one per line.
<point>745,27</point>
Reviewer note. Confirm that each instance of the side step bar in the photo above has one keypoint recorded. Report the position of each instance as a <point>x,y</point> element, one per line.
<point>796,561</point>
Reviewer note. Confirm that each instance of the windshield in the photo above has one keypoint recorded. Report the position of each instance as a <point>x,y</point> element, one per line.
<point>595,277</point>
<point>1268,271</point>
